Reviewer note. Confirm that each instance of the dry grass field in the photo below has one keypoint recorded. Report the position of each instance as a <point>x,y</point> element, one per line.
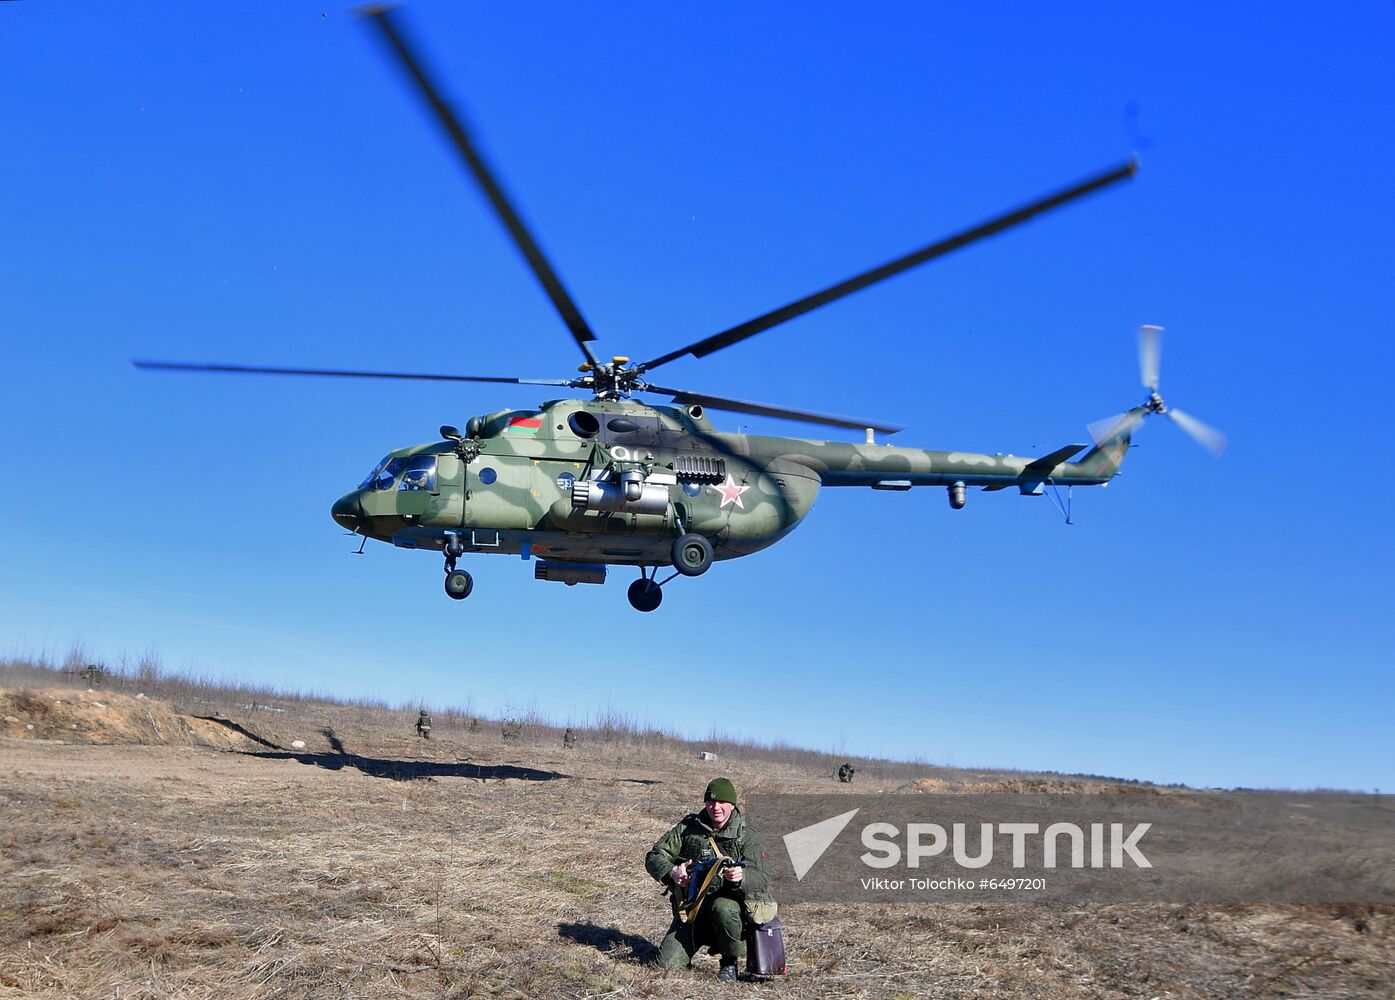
<point>148,852</point>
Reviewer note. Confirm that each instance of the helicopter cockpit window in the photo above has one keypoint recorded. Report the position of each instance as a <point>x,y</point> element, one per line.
<point>384,474</point>
<point>420,474</point>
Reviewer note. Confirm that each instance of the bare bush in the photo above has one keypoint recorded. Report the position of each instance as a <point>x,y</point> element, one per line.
<point>31,706</point>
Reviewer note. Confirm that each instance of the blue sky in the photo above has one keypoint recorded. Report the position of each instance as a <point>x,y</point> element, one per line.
<point>254,183</point>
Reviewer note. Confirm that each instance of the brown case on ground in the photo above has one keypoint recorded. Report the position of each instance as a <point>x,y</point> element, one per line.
<point>765,949</point>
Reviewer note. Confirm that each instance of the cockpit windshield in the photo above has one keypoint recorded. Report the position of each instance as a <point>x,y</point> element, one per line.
<point>384,474</point>
<point>417,472</point>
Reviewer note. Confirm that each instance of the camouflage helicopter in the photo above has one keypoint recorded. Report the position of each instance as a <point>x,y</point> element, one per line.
<point>580,485</point>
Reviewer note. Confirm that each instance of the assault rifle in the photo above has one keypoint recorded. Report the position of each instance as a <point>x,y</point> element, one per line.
<point>705,878</point>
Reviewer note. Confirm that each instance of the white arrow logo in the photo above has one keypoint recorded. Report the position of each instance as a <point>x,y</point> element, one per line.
<point>807,845</point>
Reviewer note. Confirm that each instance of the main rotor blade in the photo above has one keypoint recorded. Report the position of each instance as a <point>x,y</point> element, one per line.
<point>1203,434</point>
<point>762,410</point>
<point>1149,354</point>
<point>799,307</point>
<point>187,366</point>
<point>384,19</point>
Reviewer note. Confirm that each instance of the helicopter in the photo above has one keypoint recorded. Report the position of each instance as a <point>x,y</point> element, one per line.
<point>580,485</point>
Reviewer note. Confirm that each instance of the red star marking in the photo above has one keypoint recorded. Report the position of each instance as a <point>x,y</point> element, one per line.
<point>731,493</point>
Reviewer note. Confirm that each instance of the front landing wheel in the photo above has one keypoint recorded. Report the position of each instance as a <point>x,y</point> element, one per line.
<point>645,595</point>
<point>459,584</point>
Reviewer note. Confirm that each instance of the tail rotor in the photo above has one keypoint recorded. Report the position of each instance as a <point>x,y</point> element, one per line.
<point>1149,355</point>
<point>1117,426</point>
<point>1203,434</point>
<point>1149,368</point>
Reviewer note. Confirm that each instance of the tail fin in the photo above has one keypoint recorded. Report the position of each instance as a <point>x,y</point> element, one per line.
<point>1103,460</point>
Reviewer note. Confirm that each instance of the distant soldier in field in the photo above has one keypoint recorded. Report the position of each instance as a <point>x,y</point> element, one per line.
<point>424,725</point>
<point>719,831</point>
<point>92,673</point>
<point>846,772</point>
<point>569,739</point>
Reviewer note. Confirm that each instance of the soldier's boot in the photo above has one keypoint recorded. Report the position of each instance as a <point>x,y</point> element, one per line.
<point>727,972</point>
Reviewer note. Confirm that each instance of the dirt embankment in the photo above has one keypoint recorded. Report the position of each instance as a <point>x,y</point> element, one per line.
<point>90,716</point>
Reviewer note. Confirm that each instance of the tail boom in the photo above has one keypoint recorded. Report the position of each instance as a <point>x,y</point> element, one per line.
<point>892,468</point>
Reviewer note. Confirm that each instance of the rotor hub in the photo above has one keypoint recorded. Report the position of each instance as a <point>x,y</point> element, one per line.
<point>612,381</point>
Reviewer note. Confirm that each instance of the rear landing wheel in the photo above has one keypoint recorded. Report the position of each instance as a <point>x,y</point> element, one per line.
<point>692,554</point>
<point>459,584</point>
<point>645,595</point>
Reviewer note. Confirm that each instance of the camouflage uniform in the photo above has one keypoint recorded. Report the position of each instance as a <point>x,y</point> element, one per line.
<point>424,725</point>
<point>718,923</point>
<point>846,772</point>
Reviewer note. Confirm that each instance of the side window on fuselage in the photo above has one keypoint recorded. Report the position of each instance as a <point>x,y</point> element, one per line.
<point>420,474</point>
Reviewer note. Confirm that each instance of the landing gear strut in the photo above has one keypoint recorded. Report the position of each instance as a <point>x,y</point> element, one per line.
<point>692,556</point>
<point>458,582</point>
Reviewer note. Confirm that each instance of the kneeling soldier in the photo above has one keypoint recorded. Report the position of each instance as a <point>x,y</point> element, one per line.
<point>718,831</point>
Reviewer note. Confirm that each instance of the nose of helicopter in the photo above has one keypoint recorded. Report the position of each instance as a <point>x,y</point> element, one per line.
<point>347,511</point>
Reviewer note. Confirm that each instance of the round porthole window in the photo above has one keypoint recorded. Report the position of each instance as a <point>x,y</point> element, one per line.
<point>488,475</point>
